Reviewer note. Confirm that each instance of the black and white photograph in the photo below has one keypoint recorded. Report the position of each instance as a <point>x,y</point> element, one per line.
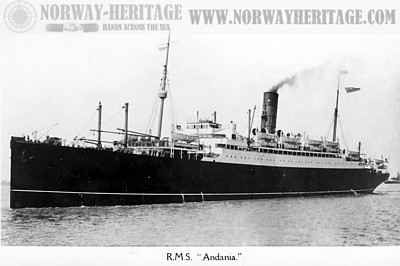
<point>184,132</point>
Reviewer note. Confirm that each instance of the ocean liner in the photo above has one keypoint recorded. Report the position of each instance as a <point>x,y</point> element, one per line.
<point>201,162</point>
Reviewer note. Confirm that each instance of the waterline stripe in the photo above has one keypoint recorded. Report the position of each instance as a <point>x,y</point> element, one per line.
<point>189,194</point>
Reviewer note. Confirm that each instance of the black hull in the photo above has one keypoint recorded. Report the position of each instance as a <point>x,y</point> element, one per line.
<point>45,175</point>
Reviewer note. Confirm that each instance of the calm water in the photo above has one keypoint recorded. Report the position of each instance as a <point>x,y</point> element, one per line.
<point>329,220</point>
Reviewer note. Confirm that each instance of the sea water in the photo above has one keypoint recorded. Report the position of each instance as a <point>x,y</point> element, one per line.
<point>372,219</point>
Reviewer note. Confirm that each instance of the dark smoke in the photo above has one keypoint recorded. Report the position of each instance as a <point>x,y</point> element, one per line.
<point>313,73</point>
<point>287,81</point>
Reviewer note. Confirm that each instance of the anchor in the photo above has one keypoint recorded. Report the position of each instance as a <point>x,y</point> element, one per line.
<point>354,192</point>
<point>183,198</point>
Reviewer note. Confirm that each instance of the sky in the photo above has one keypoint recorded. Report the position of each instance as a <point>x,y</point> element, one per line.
<point>53,83</point>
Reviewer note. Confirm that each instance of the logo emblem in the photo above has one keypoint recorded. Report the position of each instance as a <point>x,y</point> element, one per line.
<point>20,16</point>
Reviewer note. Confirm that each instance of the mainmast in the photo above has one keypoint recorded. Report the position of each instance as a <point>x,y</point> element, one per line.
<point>337,105</point>
<point>335,114</point>
<point>99,109</point>
<point>163,93</point>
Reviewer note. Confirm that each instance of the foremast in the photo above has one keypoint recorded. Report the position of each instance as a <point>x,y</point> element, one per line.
<point>99,109</point>
<point>163,93</point>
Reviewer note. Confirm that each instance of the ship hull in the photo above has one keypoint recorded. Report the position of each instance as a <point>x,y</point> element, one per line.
<point>44,175</point>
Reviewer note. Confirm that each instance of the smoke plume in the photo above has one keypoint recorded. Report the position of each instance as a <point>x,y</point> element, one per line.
<point>312,73</point>
<point>287,81</point>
